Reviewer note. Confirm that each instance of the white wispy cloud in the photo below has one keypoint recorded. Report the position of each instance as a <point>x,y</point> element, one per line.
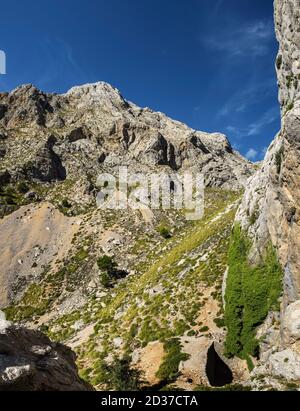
<point>232,130</point>
<point>267,118</point>
<point>251,154</point>
<point>244,98</point>
<point>58,61</point>
<point>256,127</point>
<point>250,39</point>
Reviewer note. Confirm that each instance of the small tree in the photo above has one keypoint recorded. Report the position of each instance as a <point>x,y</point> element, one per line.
<point>122,377</point>
<point>107,266</point>
<point>164,232</point>
<point>105,279</point>
<point>23,187</point>
<point>65,203</point>
<point>106,263</point>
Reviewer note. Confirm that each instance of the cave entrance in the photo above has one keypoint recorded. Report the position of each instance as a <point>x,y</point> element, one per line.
<point>218,373</point>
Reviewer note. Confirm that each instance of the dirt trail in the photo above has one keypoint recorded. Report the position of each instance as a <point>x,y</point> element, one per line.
<point>209,311</point>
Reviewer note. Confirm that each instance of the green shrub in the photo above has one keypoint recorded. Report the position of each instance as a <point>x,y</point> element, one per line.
<point>106,263</point>
<point>164,232</point>
<point>278,159</point>
<point>279,61</point>
<point>121,377</point>
<point>22,187</point>
<point>292,386</point>
<point>65,203</point>
<point>109,271</point>
<point>289,107</point>
<point>168,370</point>
<point>289,80</point>
<point>250,294</point>
<point>249,363</point>
<point>254,216</point>
<point>220,322</point>
<point>204,329</point>
<point>105,279</point>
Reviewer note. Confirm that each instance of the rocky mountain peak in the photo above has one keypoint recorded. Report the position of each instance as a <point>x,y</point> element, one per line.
<point>25,105</point>
<point>97,94</point>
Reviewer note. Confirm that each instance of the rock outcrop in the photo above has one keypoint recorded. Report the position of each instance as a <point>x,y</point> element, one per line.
<point>29,361</point>
<point>270,209</point>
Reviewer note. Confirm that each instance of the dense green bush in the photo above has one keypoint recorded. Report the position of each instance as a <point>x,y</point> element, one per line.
<point>279,61</point>
<point>65,203</point>
<point>105,279</point>
<point>220,322</point>
<point>254,216</point>
<point>22,187</point>
<point>289,107</point>
<point>250,294</point>
<point>164,232</point>
<point>278,159</point>
<point>109,271</point>
<point>204,329</point>
<point>106,263</point>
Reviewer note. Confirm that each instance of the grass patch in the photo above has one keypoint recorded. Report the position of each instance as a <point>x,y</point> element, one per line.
<point>278,159</point>
<point>168,370</point>
<point>33,303</point>
<point>164,232</point>
<point>279,61</point>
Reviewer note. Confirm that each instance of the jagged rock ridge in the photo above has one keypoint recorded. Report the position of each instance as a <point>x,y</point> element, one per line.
<point>91,128</point>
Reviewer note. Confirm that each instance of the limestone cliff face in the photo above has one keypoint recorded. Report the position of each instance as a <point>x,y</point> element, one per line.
<point>271,206</point>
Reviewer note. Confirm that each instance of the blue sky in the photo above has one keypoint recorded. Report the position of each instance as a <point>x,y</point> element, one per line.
<point>207,63</point>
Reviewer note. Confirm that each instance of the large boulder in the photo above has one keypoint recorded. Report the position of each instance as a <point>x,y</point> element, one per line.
<point>29,361</point>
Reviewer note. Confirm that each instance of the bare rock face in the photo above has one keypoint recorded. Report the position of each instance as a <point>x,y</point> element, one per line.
<point>29,361</point>
<point>270,208</point>
<point>92,128</point>
<point>47,165</point>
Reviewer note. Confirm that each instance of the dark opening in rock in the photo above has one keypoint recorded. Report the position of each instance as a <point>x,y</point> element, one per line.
<point>218,373</point>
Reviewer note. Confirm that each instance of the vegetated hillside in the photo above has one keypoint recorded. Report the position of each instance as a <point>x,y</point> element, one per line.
<point>139,292</point>
<point>53,147</point>
<point>135,293</point>
<point>144,297</point>
<point>156,300</point>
